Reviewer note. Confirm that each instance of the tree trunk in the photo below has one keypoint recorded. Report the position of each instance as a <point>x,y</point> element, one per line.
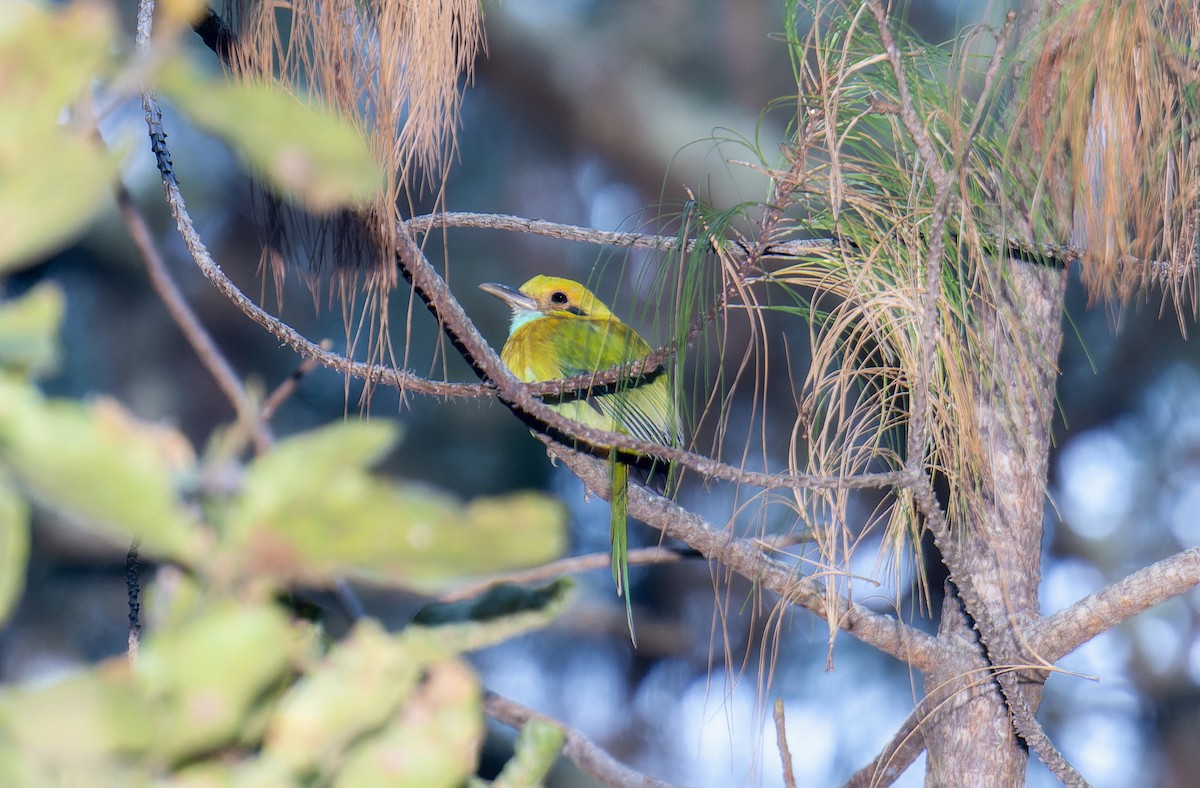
<point>971,737</point>
<point>970,740</point>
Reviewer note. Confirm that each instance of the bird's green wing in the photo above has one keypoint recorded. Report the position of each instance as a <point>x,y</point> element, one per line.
<point>643,409</point>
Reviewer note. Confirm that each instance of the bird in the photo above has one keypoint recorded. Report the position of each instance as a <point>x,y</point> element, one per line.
<point>560,329</point>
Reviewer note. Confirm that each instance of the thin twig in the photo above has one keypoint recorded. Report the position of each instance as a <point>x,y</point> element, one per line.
<point>591,759</point>
<point>894,759</point>
<point>1023,250</point>
<point>134,593</point>
<point>287,387</point>
<point>785,754</point>
<point>908,111</point>
<point>928,323</point>
<point>906,744</point>
<point>901,751</point>
<point>193,330</point>
<point>989,78</point>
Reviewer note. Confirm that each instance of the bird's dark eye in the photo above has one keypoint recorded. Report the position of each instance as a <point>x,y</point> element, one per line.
<point>558,297</point>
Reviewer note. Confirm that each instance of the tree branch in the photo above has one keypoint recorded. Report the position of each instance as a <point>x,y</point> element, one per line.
<point>885,633</point>
<point>908,111</point>
<point>630,240</point>
<point>399,379</point>
<point>286,387</point>
<point>1060,634</point>
<point>134,597</point>
<point>584,753</point>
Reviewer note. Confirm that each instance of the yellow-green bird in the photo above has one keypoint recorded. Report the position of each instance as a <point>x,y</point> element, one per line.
<point>559,330</point>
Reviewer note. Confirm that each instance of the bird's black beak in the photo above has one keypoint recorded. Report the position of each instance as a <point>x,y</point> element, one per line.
<point>516,300</point>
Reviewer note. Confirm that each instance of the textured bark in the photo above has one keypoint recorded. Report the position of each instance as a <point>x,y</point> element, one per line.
<point>969,739</point>
<point>1015,404</point>
<point>1066,630</point>
<point>997,557</point>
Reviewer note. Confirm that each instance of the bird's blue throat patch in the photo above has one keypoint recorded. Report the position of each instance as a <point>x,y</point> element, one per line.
<point>522,317</point>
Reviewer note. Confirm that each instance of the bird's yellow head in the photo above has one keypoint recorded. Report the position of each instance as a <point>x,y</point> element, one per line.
<point>544,296</point>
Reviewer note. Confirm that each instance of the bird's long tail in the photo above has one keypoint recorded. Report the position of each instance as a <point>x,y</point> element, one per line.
<point>618,533</point>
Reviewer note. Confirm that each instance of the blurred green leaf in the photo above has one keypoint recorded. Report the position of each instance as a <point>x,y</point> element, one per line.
<point>14,546</point>
<point>204,677</point>
<point>354,690</point>
<point>49,57</point>
<point>433,741</point>
<point>378,709</point>
<point>502,533</point>
<point>310,511</point>
<point>536,751</point>
<point>53,179</point>
<point>85,725</point>
<point>100,466</point>
<point>29,328</point>
<point>50,194</point>
<point>305,151</point>
<point>311,459</point>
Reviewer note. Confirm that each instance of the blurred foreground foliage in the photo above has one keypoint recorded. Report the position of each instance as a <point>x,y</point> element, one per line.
<point>229,686</point>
